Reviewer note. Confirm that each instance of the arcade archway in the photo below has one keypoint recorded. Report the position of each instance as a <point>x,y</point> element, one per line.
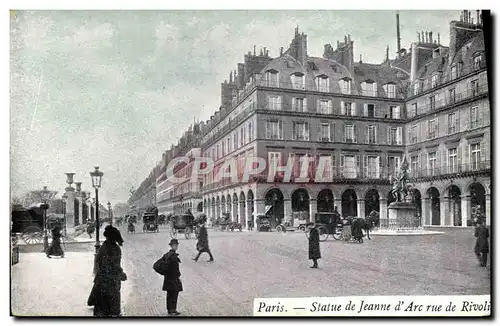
<point>349,203</point>
<point>274,202</point>
<point>435,200</point>
<point>325,201</point>
<point>372,202</point>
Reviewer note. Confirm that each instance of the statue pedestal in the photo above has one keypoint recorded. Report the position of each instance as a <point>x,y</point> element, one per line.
<point>403,215</point>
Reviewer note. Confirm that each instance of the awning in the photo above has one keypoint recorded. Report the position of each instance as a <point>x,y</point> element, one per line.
<point>268,208</point>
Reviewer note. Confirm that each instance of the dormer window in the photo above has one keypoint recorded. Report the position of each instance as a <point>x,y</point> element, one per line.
<point>435,80</point>
<point>390,90</point>
<point>369,88</point>
<point>298,80</point>
<point>477,61</point>
<point>417,87</point>
<point>345,85</point>
<point>272,79</point>
<point>323,83</point>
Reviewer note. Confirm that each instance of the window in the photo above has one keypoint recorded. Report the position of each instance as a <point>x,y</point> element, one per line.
<point>414,165</point>
<point>348,164</point>
<point>477,62</point>
<point>213,154</point>
<point>452,160</point>
<point>395,112</point>
<point>345,86</point>
<point>432,163</point>
<point>223,149</point>
<point>228,144</point>
<point>218,152</point>
<point>432,102</point>
<point>274,102</point>
<point>451,96</point>
<point>474,121</point>
<point>250,131</point>
<point>349,109</point>
<point>370,110</point>
<point>417,87</point>
<point>298,80</point>
<point>274,159</point>
<point>274,129</point>
<point>434,80</point>
<point>453,73</point>
<point>390,90</point>
<point>452,123</point>
<point>475,87</point>
<point>371,167</point>
<point>371,134</point>
<point>325,107</point>
<point>298,104</point>
<point>349,133</point>
<point>475,155</point>
<point>394,163</point>
<point>272,78</point>
<point>243,138</point>
<point>323,84</point>
<point>414,134</point>
<point>432,129</point>
<point>413,110</point>
<point>300,131</point>
<point>394,135</point>
<point>235,140</point>
<point>324,132</point>
<point>369,88</point>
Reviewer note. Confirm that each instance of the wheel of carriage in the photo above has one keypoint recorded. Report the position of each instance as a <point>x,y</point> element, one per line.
<point>239,228</point>
<point>173,233</point>
<point>32,235</point>
<point>302,228</point>
<point>323,233</point>
<point>337,235</point>
<point>280,229</point>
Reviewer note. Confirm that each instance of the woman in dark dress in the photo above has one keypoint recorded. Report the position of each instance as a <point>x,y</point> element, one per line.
<point>314,251</point>
<point>202,245</point>
<point>55,248</point>
<point>107,282</point>
<point>482,247</point>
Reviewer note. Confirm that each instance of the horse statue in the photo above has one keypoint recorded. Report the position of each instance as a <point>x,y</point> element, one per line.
<point>401,190</point>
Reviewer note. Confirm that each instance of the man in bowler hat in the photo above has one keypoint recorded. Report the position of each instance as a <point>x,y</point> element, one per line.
<point>314,251</point>
<point>168,266</point>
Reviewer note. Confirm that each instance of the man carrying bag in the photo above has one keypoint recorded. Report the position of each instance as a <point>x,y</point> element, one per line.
<point>168,266</point>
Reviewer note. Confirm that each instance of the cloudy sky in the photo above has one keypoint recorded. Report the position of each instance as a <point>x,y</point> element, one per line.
<point>116,88</point>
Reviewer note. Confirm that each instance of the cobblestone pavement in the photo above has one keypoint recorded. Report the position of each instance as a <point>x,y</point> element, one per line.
<point>249,265</point>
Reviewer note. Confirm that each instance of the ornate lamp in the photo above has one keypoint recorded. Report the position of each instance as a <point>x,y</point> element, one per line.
<point>96,176</point>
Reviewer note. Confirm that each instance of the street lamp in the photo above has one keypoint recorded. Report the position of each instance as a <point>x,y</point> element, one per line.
<point>109,214</point>
<point>96,176</point>
<point>46,195</point>
<point>275,200</point>
<point>64,198</point>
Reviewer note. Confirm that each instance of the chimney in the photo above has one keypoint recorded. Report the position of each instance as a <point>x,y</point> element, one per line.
<point>477,17</point>
<point>430,37</point>
<point>360,58</point>
<point>265,52</point>
<point>398,32</point>
<point>470,14</point>
<point>231,77</point>
<point>414,59</point>
<point>387,54</point>
<point>419,40</point>
<point>254,50</point>
<point>439,39</point>
<point>281,51</point>
<point>261,54</point>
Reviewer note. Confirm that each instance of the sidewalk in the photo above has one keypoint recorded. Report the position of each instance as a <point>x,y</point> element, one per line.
<point>52,287</point>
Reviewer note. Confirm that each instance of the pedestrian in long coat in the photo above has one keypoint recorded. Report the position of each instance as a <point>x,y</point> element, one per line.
<point>55,248</point>
<point>202,244</point>
<point>168,266</point>
<point>314,251</point>
<point>481,248</point>
<point>105,296</point>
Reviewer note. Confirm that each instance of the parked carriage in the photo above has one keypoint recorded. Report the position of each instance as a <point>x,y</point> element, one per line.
<point>150,220</point>
<point>222,223</point>
<point>298,222</point>
<point>263,223</point>
<point>182,224</point>
<point>28,224</point>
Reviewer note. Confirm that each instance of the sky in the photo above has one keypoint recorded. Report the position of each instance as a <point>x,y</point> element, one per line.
<point>117,88</point>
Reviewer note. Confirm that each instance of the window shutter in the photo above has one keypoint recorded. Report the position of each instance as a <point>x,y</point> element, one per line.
<point>354,109</point>
<point>375,89</point>
<point>305,104</point>
<point>268,131</point>
<point>307,131</point>
<point>363,88</point>
<point>380,167</point>
<point>294,131</point>
<point>319,131</point>
<point>342,108</point>
<point>280,129</point>
<point>365,110</point>
<point>344,138</point>
<point>480,118</point>
<point>355,133</point>
<point>388,135</point>
<point>484,151</point>
<point>436,127</point>
<point>318,106</point>
<point>399,132</point>
<point>459,156</point>
<point>332,132</point>
<point>365,166</point>
<point>358,166</point>
<point>279,102</point>
<point>294,104</point>
<point>438,161</point>
<point>376,132</point>
<point>342,165</point>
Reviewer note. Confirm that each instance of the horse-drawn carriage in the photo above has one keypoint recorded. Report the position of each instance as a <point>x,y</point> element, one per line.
<point>150,220</point>
<point>263,223</point>
<point>182,224</point>
<point>27,224</point>
<point>349,229</point>
<point>225,224</point>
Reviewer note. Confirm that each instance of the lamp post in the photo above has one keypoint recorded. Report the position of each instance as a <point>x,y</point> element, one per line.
<point>109,214</point>
<point>96,176</point>
<point>46,195</point>
<point>64,198</point>
<point>275,200</point>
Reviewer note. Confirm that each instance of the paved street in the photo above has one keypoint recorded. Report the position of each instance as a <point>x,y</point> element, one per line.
<point>249,265</point>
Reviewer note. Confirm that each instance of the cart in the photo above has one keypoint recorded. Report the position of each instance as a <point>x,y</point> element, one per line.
<point>27,224</point>
<point>182,224</point>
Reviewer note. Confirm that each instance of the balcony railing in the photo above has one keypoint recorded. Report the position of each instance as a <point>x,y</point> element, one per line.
<point>469,93</point>
<point>446,170</point>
